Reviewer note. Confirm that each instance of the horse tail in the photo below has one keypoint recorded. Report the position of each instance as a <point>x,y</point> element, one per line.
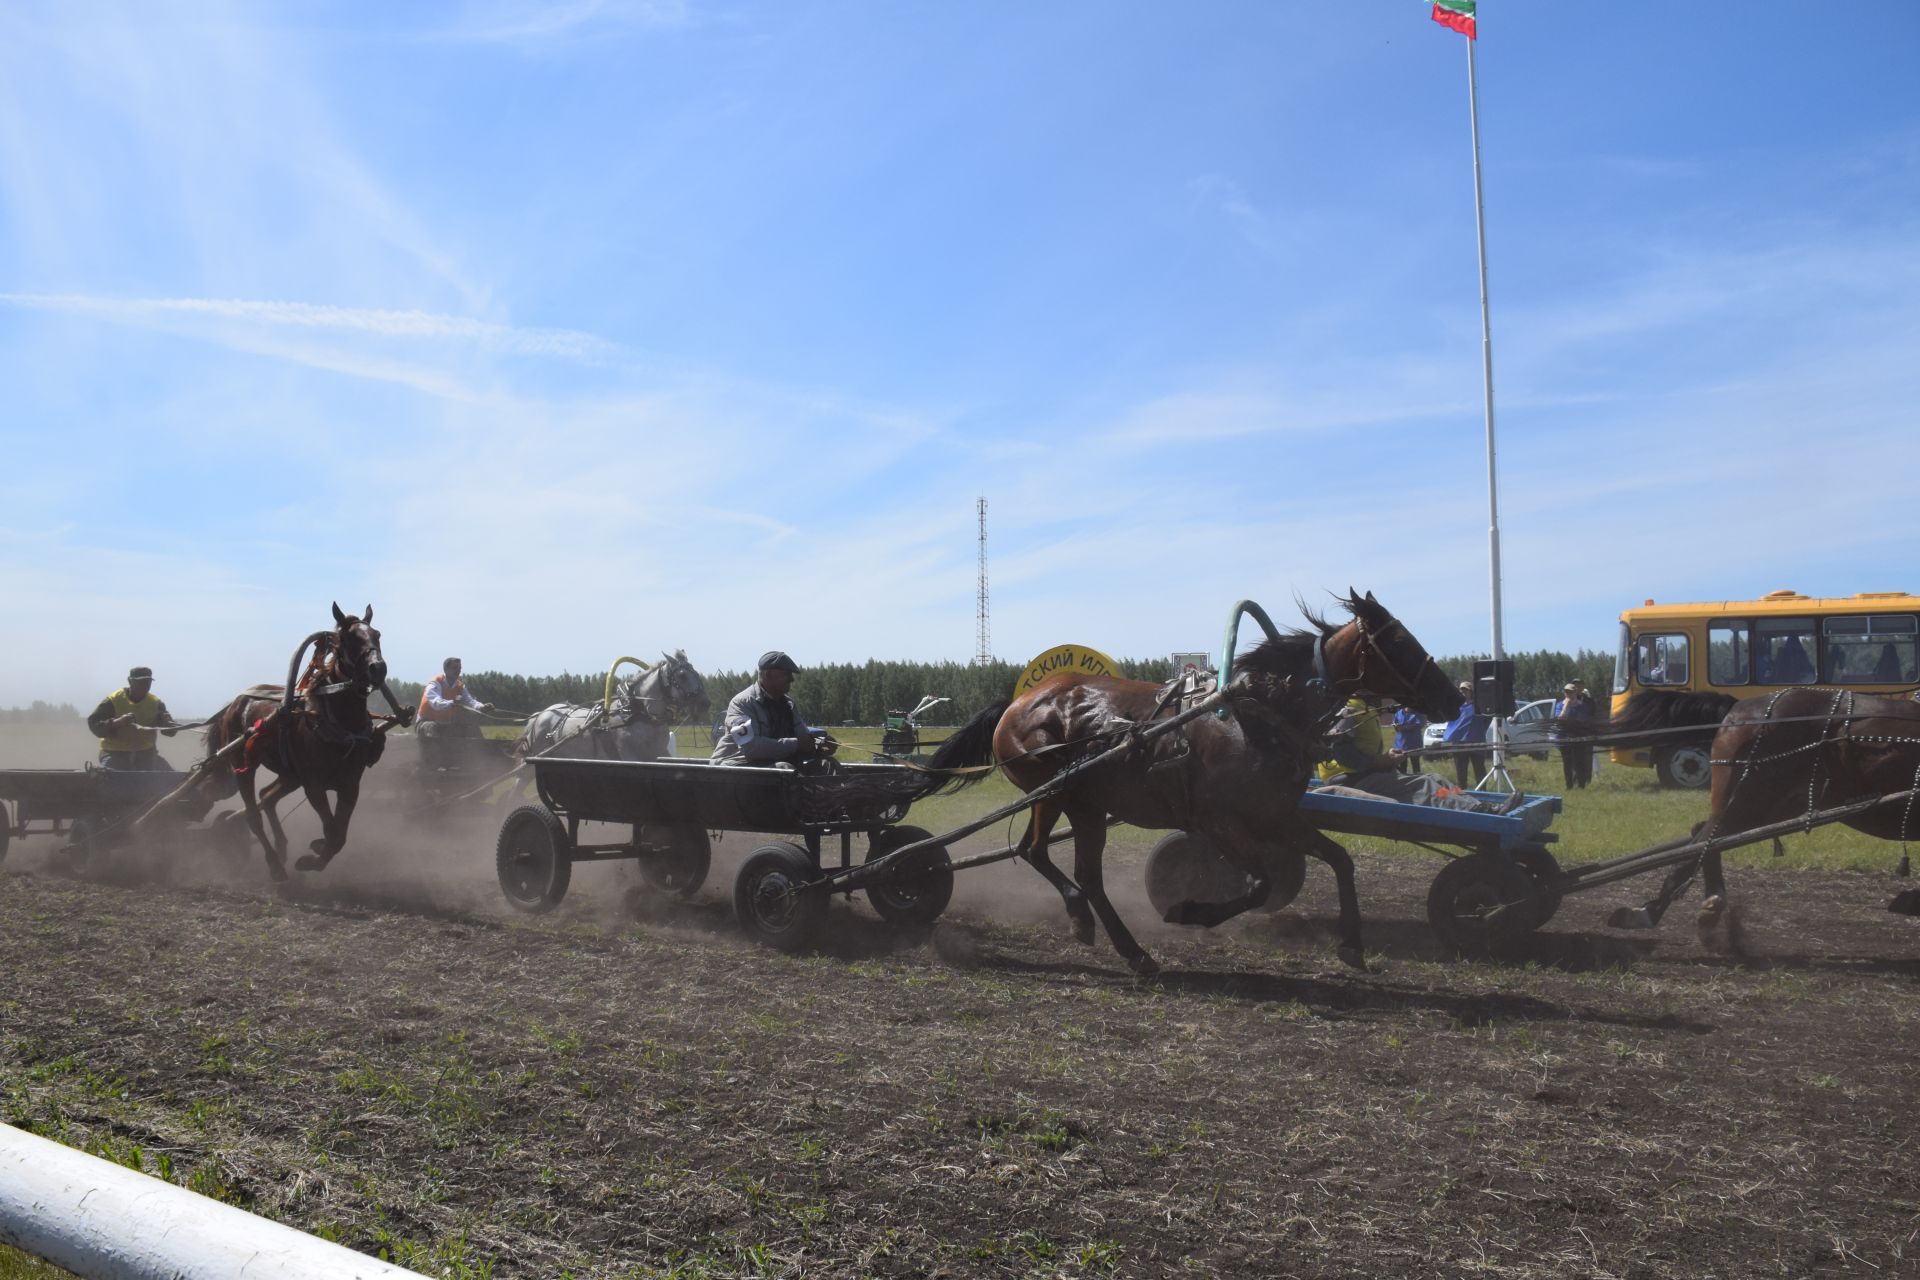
<point>969,745</point>
<point>1653,715</point>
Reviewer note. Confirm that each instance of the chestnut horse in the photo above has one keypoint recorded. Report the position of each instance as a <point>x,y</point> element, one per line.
<point>1775,757</point>
<point>315,733</point>
<point>1238,779</point>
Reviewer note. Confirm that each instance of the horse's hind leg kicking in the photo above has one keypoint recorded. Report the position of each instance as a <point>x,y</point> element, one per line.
<point>1033,847</point>
<point>1089,844</point>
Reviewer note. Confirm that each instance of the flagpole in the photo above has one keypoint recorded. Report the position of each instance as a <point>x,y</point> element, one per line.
<point>1499,769</point>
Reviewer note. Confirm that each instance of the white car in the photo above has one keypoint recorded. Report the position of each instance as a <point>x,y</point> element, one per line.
<point>1527,728</point>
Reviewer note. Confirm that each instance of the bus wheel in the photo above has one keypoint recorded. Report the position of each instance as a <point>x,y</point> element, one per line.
<point>1686,768</point>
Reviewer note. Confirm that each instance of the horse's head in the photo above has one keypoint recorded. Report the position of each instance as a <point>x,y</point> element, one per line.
<point>1376,654</point>
<point>356,651</point>
<point>685,689</point>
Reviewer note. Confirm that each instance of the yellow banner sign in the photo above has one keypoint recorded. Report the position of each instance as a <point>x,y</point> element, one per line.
<point>1077,658</point>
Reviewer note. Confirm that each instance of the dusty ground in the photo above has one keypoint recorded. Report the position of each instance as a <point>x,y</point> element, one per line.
<point>388,1057</point>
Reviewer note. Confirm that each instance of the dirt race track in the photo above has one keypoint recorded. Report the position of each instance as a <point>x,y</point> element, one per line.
<point>389,1058</point>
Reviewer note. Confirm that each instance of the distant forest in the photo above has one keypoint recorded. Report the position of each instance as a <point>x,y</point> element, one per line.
<point>841,693</point>
<point>40,713</point>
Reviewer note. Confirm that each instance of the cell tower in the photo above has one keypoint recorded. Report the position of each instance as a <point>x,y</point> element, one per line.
<point>982,644</point>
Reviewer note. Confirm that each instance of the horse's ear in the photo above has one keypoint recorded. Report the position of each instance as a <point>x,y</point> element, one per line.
<point>1371,600</point>
<point>367,617</point>
<point>338,616</point>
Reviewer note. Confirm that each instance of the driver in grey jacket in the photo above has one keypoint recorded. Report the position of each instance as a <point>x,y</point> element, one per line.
<point>763,727</point>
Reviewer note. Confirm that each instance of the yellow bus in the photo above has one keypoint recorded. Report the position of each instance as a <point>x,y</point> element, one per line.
<point>1869,642</point>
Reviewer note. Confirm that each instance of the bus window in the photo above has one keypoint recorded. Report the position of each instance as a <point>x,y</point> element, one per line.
<point>1661,658</point>
<point>1623,660</point>
<point>1870,649</point>
<point>1729,646</point>
<point>1783,651</point>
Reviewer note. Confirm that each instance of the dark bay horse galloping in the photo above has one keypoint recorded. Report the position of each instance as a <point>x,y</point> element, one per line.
<point>315,733</point>
<point>1236,779</point>
<point>1775,757</point>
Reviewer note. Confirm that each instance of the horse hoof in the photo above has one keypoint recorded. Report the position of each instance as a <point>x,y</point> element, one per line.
<point>1353,958</point>
<point>1710,922</point>
<point>319,845</point>
<point>1905,903</point>
<point>277,870</point>
<point>1144,966</point>
<point>309,862</point>
<point>1631,918</point>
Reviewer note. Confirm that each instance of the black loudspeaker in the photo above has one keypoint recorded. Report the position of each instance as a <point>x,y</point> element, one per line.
<point>1493,688</point>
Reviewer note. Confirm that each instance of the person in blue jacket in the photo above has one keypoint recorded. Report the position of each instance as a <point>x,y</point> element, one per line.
<point>1469,728</point>
<point>1408,727</point>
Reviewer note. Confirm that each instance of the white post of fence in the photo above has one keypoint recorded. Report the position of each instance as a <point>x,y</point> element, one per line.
<point>99,1219</point>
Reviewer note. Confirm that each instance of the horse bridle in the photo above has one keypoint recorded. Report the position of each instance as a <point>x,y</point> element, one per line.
<point>664,699</point>
<point>1370,644</point>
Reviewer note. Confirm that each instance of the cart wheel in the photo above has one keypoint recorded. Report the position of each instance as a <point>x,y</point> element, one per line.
<point>1467,893</point>
<point>1544,869</point>
<point>534,858</point>
<point>1185,867</point>
<point>771,898</point>
<point>680,867</point>
<point>1688,768</point>
<point>923,889</point>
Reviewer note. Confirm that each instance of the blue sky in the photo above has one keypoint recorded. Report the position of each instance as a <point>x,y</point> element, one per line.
<point>561,331</point>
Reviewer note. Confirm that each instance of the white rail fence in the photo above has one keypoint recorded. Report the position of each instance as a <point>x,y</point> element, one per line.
<point>98,1219</point>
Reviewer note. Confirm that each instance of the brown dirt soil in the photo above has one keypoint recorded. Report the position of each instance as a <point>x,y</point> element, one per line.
<point>387,1056</point>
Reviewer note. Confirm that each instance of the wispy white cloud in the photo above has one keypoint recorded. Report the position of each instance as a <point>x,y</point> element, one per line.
<point>367,321</point>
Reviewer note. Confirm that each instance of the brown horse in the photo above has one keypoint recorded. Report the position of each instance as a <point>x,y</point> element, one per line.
<point>1775,757</point>
<point>1238,779</point>
<point>314,733</point>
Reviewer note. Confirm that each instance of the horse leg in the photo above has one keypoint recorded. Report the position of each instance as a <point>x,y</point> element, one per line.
<point>1033,847</point>
<point>276,849</point>
<point>1719,920</point>
<point>333,821</point>
<point>1089,844</point>
<point>1340,862</point>
<point>1648,917</point>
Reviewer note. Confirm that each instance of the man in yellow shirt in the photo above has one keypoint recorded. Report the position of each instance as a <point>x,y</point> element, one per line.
<point>1357,765</point>
<point>126,722</point>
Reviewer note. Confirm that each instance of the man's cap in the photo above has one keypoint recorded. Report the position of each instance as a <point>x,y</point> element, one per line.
<point>1466,684</point>
<point>450,662</point>
<point>774,660</point>
<point>139,673</point>
<point>1572,684</point>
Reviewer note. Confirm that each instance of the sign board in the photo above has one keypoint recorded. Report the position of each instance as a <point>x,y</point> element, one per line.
<point>1061,659</point>
<point>1198,663</point>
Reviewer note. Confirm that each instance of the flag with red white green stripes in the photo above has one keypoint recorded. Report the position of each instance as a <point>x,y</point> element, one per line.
<point>1457,14</point>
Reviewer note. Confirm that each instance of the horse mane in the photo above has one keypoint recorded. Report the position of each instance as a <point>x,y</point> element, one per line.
<point>1291,653</point>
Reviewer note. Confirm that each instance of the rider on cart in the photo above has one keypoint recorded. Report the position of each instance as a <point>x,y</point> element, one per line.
<point>449,716</point>
<point>763,727</point>
<point>126,721</point>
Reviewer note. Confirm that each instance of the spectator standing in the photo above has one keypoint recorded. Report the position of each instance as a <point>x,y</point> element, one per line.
<point>1576,757</point>
<point>1468,729</point>
<point>1408,727</point>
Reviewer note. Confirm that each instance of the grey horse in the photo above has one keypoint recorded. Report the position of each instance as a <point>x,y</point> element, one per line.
<point>633,728</point>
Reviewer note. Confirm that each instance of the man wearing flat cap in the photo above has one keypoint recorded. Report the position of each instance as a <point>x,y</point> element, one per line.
<point>763,727</point>
<point>126,721</point>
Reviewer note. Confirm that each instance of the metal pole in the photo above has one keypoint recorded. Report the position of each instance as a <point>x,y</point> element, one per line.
<point>1499,736</point>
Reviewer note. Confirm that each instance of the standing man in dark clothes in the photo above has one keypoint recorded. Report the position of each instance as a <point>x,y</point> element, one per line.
<point>1468,729</point>
<point>1576,757</point>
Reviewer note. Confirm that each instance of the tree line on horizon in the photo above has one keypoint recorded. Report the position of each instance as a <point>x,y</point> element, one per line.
<point>848,693</point>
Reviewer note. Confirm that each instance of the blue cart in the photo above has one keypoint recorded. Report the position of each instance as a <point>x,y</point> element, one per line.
<point>1500,879</point>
